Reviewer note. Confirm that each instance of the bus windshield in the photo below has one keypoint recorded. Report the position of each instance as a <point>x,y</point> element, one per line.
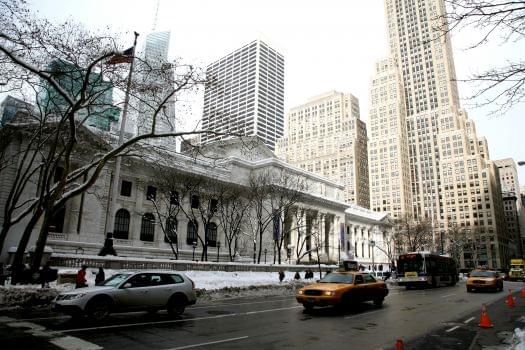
<point>410,265</point>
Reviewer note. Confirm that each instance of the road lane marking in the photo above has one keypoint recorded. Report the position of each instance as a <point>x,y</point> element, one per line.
<point>470,319</point>
<point>270,310</point>
<point>66,343</point>
<point>452,329</point>
<point>448,295</point>
<point>363,314</point>
<point>74,343</point>
<point>173,321</point>
<point>237,304</point>
<point>208,343</point>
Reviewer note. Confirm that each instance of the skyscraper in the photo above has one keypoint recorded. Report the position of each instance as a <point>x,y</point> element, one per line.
<point>452,182</point>
<point>326,136</point>
<point>157,82</point>
<point>246,94</point>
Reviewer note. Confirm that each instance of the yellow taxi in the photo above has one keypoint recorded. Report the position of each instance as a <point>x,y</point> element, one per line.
<point>480,279</point>
<point>343,288</point>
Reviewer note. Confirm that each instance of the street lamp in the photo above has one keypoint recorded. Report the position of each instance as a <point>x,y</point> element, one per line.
<point>373,244</point>
<point>265,251</point>
<point>194,246</point>
<point>218,248</point>
<point>254,249</point>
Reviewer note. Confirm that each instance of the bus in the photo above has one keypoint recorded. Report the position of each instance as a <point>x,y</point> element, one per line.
<point>422,269</point>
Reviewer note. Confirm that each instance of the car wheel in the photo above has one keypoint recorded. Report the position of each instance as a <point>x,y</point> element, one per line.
<point>346,300</point>
<point>98,308</point>
<point>434,282</point>
<point>176,305</point>
<point>378,302</point>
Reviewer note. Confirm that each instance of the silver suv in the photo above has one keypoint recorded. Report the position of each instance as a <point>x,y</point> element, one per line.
<point>130,291</point>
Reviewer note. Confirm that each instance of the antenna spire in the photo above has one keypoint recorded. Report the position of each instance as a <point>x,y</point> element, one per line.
<point>156,15</point>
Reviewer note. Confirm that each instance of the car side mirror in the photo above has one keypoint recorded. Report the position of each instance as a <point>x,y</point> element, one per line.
<point>126,285</point>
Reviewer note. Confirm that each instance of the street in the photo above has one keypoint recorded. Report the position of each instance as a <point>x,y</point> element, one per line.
<point>271,323</point>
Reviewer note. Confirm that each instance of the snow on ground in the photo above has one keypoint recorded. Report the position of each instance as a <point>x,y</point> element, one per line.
<point>209,280</point>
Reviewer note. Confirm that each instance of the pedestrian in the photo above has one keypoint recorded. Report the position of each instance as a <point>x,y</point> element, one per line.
<point>45,274</point>
<point>281,275</point>
<point>81,277</point>
<point>100,277</point>
<point>297,276</point>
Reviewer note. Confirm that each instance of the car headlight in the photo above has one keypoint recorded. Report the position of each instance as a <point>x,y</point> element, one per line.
<point>301,292</point>
<point>72,296</point>
<point>329,293</point>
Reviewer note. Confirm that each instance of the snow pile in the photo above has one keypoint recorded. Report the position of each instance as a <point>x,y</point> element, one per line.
<point>210,285</point>
<point>518,340</point>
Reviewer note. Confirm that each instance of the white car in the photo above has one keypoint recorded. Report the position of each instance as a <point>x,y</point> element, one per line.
<point>130,291</point>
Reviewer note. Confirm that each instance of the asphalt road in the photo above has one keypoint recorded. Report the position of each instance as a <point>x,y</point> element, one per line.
<point>272,323</point>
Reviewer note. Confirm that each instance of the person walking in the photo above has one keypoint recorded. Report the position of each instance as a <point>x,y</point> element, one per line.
<point>81,277</point>
<point>281,275</point>
<point>45,274</point>
<point>100,277</point>
<point>297,276</point>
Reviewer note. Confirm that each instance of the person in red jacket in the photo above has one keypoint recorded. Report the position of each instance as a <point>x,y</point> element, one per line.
<point>81,277</point>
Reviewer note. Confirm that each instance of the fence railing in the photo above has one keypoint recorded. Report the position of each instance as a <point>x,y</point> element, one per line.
<point>119,263</point>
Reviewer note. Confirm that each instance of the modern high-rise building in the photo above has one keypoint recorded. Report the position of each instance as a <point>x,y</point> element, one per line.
<point>453,184</point>
<point>100,113</point>
<point>156,75</point>
<point>245,95</point>
<point>326,136</point>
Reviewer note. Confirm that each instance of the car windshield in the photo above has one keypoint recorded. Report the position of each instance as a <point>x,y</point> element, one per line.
<point>115,280</point>
<point>482,274</point>
<point>338,278</point>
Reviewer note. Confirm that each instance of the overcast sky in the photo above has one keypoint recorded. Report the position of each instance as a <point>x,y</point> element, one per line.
<point>327,45</point>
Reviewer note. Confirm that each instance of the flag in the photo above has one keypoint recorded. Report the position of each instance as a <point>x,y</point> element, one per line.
<point>276,226</point>
<point>125,57</point>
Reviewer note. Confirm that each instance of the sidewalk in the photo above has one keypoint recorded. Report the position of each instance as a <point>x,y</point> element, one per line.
<point>461,335</point>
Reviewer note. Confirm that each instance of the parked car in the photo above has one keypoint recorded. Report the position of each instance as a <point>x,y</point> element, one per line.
<point>130,291</point>
<point>480,279</point>
<point>343,288</point>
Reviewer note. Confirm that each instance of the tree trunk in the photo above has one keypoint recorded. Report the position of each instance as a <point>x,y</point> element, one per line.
<point>18,260</point>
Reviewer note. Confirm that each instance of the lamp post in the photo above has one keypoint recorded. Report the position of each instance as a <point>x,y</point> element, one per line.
<point>254,250</point>
<point>372,244</point>
<point>218,248</point>
<point>194,246</point>
<point>265,251</point>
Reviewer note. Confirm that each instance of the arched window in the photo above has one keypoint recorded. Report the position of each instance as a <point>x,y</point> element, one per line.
<point>211,234</point>
<point>191,235</point>
<point>147,228</point>
<point>171,230</point>
<point>121,229</point>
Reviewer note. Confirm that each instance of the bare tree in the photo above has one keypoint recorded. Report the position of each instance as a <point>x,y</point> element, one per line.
<point>410,235</point>
<point>62,70</point>
<point>273,195</point>
<point>492,20</point>
<point>233,211</point>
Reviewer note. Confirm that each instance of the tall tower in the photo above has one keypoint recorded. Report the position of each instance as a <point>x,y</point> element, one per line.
<point>326,136</point>
<point>155,55</point>
<point>452,181</point>
<point>246,95</point>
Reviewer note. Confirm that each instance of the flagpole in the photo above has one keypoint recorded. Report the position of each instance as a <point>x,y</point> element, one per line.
<point>116,175</point>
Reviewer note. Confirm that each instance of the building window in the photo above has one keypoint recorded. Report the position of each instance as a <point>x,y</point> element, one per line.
<point>213,205</point>
<point>195,202</point>
<point>171,230</point>
<point>125,188</point>
<point>147,227</point>
<point>191,235</point>
<point>151,193</point>
<point>121,229</point>
<point>211,234</point>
